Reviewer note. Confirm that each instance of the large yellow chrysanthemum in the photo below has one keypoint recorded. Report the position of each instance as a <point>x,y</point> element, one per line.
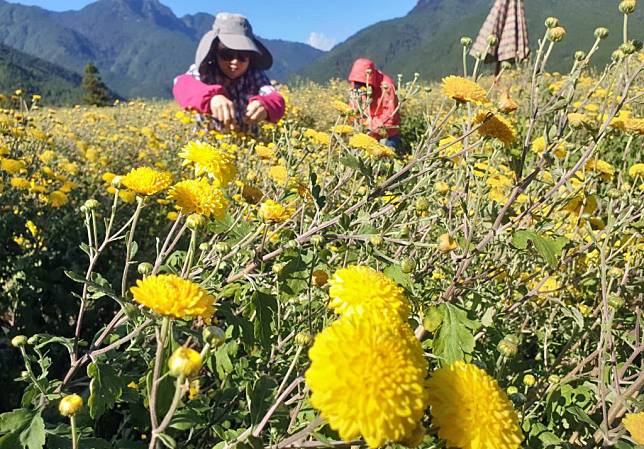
<point>371,146</point>
<point>634,423</point>
<point>470,409</point>
<point>463,90</point>
<point>208,159</point>
<point>495,126</point>
<point>275,212</point>
<point>170,295</point>
<point>199,196</point>
<point>360,289</point>
<point>367,378</point>
<point>146,181</point>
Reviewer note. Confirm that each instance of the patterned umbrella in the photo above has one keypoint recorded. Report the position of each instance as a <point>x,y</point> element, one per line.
<point>506,21</point>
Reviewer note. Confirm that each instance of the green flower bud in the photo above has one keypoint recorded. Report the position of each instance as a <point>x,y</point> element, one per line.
<point>302,338</point>
<point>554,379</point>
<point>19,341</point>
<point>601,33</point>
<point>466,41</point>
<point>375,239</point>
<point>116,182</point>
<point>628,48</point>
<point>145,268</point>
<point>292,244</point>
<point>512,390</point>
<point>222,247</point>
<point>91,204</point>
<point>33,340</point>
<point>617,55</point>
<point>492,40</point>
<point>627,6</point>
<point>556,34</point>
<point>195,221</point>
<point>509,346</point>
<point>184,362</point>
<point>616,302</point>
<point>404,231</point>
<point>580,55</point>
<point>422,204</point>
<point>205,246</point>
<point>552,22</point>
<point>529,380</point>
<point>214,336</point>
<point>407,265</point>
<point>317,240</point>
<point>506,65</point>
<point>278,267</point>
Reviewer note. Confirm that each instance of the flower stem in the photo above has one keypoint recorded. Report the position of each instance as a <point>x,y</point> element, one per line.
<point>128,249</point>
<point>72,420</point>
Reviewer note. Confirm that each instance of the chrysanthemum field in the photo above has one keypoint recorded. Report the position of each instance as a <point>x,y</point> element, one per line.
<point>166,286</point>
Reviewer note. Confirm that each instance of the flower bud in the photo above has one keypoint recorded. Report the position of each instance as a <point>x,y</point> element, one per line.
<point>552,22</point>
<point>628,48</point>
<point>446,243</point>
<point>529,380</point>
<point>375,240</point>
<point>616,302</point>
<point>195,221</point>
<point>580,55</point>
<point>601,33</point>
<point>554,379</point>
<point>317,240</point>
<point>506,65</point>
<point>466,41</point>
<point>33,340</point>
<point>145,268</point>
<point>492,40</point>
<point>407,265</point>
<point>512,390</point>
<point>70,405</point>
<point>404,231</point>
<point>509,346</point>
<point>302,338</point>
<point>320,278</point>
<point>214,336</point>
<point>422,204</point>
<point>292,244</point>
<point>204,246</point>
<point>627,6</point>
<point>116,182</point>
<point>278,267</point>
<point>19,341</point>
<point>617,55</point>
<point>222,247</point>
<point>184,362</point>
<point>556,34</point>
<point>91,204</point>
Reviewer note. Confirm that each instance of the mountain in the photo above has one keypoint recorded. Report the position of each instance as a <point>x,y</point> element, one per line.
<point>427,39</point>
<point>33,75</point>
<point>139,46</point>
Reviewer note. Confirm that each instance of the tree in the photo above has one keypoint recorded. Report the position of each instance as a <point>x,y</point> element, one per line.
<point>96,92</point>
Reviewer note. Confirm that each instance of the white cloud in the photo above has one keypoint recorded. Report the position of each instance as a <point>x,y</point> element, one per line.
<point>321,41</point>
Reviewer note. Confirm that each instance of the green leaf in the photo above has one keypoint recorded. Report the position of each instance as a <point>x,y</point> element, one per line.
<point>167,441</point>
<point>105,388</point>
<point>395,273</point>
<point>223,363</point>
<point>259,398</point>
<point>265,306</point>
<point>15,420</point>
<point>33,437</point>
<point>455,338</point>
<point>548,248</point>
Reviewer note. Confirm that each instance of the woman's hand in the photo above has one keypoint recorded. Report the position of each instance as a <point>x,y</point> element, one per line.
<point>223,110</point>
<point>255,112</point>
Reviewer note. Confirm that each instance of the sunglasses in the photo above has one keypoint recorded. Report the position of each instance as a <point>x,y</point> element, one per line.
<point>226,54</point>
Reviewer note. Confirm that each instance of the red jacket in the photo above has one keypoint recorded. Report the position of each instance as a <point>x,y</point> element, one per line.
<point>383,109</point>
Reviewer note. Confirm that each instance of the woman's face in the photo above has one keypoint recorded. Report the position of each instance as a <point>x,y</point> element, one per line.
<point>232,63</point>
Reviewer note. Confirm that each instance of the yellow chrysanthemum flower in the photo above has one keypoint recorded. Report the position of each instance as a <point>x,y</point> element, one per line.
<point>634,423</point>
<point>275,212</point>
<point>170,295</point>
<point>12,166</point>
<point>463,90</point>
<point>342,129</point>
<point>367,378</point>
<point>208,159</point>
<point>58,199</point>
<point>146,181</point>
<point>539,146</point>
<point>341,107</point>
<point>577,120</point>
<point>199,196</point>
<point>495,126</point>
<point>370,145</point>
<point>636,170</point>
<point>278,174</point>
<point>470,409</point>
<point>606,171</point>
<point>634,125</point>
<point>454,147</point>
<point>360,289</point>
<point>264,152</point>
<point>20,183</point>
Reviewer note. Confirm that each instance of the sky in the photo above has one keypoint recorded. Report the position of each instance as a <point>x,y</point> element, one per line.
<point>320,23</point>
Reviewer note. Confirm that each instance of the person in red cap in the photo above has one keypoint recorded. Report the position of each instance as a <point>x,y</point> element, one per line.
<point>227,81</point>
<point>378,102</point>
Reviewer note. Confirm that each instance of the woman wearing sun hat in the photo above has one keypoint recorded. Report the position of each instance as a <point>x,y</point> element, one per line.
<point>227,80</point>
